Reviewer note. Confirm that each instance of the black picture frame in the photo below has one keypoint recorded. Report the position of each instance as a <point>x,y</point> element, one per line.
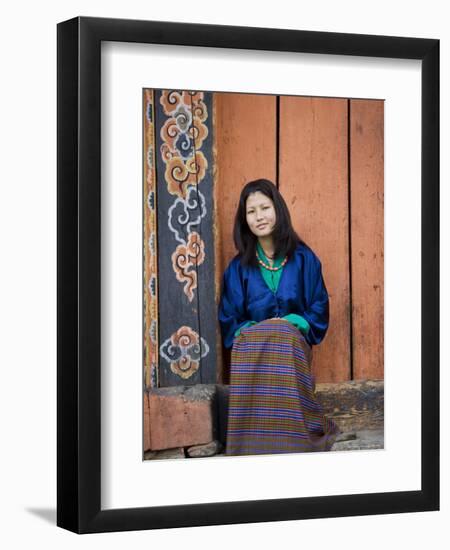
<point>79,275</point>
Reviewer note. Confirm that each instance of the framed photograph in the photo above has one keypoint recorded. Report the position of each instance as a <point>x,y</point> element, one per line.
<point>248,270</point>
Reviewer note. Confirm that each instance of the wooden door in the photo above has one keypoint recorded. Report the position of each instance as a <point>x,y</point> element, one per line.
<point>328,156</point>
<point>314,182</point>
<point>367,236</point>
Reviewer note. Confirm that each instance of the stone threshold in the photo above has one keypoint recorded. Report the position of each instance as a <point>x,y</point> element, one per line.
<point>362,440</point>
<point>190,421</point>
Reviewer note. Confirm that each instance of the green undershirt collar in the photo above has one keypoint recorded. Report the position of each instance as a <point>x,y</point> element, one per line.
<point>272,278</point>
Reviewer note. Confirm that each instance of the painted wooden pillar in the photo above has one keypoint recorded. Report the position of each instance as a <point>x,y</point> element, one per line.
<point>314,182</point>
<point>184,205</point>
<point>150,247</point>
<point>367,236</point>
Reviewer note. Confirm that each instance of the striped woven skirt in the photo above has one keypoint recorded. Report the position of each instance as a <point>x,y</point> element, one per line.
<point>272,405</point>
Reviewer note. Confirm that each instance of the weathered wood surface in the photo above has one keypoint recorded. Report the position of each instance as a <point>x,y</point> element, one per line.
<point>362,440</point>
<point>353,405</point>
<point>165,454</point>
<point>181,416</point>
<point>146,422</point>
<point>367,236</point>
<point>314,183</point>
<point>244,150</point>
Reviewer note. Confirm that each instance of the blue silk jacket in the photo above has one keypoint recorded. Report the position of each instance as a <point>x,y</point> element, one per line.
<point>301,290</point>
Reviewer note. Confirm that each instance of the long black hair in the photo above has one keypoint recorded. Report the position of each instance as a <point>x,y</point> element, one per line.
<point>285,238</point>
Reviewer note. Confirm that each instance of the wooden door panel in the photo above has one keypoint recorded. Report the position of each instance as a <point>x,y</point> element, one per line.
<point>367,236</point>
<point>314,182</point>
<point>245,149</point>
<point>245,145</point>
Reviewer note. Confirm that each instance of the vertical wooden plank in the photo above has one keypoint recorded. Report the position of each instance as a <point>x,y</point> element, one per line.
<point>146,422</point>
<point>314,183</point>
<point>245,149</point>
<point>367,236</point>
<point>245,143</point>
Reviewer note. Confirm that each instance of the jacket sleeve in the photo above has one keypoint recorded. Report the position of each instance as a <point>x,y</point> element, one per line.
<point>232,309</point>
<point>317,307</point>
<point>298,321</point>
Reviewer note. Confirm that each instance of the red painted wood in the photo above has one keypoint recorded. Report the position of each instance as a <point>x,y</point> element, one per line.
<point>367,227</point>
<point>245,141</point>
<point>245,149</point>
<point>314,183</point>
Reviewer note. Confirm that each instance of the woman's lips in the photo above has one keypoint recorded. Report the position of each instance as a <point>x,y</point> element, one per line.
<point>262,226</point>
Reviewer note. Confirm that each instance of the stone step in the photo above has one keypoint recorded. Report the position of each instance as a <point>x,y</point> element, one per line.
<point>200,451</point>
<point>360,440</point>
<point>353,405</point>
<point>189,416</point>
<point>180,416</point>
<point>165,454</point>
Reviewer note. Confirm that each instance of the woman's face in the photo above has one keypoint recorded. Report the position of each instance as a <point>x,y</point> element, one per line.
<point>260,214</point>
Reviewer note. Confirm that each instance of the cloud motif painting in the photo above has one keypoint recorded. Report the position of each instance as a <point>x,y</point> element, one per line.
<point>183,350</point>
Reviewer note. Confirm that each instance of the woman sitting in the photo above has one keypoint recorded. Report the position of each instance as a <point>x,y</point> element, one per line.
<point>273,309</point>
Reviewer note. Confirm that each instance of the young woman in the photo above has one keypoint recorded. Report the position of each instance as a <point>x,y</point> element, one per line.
<point>273,309</point>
